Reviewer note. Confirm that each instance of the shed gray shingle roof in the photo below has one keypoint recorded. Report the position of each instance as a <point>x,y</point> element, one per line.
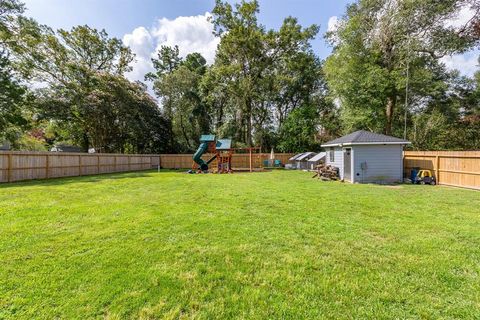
<point>362,136</point>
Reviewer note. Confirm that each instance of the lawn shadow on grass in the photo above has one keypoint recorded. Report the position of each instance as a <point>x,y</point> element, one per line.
<point>80,179</point>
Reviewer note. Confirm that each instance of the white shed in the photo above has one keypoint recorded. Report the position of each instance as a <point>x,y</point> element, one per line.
<point>364,157</point>
<point>316,160</point>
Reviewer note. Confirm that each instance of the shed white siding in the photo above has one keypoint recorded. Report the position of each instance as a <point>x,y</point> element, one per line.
<point>384,163</point>
<point>338,159</point>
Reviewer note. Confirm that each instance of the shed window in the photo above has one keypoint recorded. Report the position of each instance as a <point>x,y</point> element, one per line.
<point>332,154</point>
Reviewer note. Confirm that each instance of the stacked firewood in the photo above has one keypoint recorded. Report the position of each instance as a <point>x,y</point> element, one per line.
<point>327,172</point>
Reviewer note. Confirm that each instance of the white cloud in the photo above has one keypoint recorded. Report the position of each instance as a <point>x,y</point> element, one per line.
<point>141,43</point>
<point>464,15</point>
<point>332,23</point>
<point>191,34</point>
<point>466,63</point>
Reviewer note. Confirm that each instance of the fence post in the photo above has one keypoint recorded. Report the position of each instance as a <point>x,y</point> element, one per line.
<point>114,163</point>
<point>79,165</point>
<point>250,159</point>
<point>47,167</point>
<point>9,167</point>
<point>129,163</point>
<point>98,164</point>
<point>437,168</point>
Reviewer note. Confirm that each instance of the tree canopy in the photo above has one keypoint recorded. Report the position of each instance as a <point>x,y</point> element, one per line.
<point>265,87</point>
<point>85,96</point>
<point>374,46</point>
<point>13,94</point>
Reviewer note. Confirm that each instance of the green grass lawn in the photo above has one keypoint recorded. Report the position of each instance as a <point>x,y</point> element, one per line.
<point>254,246</point>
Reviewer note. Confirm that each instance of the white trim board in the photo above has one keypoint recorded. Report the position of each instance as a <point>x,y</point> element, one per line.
<point>362,143</point>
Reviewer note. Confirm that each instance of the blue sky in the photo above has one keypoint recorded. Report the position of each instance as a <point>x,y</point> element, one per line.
<point>145,25</point>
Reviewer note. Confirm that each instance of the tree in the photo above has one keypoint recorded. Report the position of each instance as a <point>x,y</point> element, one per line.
<point>10,10</point>
<point>13,95</point>
<point>260,76</point>
<point>241,60</point>
<point>12,99</point>
<point>177,83</point>
<point>452,120</point>
<point>374,43</point>
<point>298,133</point>
<point>67,58</point>
<point>85,98</point>
<point>84,71</point>
<point>119,116</point>
<point>167,61</point>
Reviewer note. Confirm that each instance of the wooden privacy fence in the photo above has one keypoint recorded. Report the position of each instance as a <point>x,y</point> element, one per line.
<point>452,168</point>
<point>17,166</point>
<point>239,160</point>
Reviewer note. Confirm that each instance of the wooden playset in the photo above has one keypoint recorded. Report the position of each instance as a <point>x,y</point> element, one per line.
<point>222,154</point>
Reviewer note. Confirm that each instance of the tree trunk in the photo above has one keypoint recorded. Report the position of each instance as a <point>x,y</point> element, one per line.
<point>219,123</point>
<point>85,142</point>
<point>390,108</point>
<point>249,131</point>
<point>239,130</point>
<point>249,122</point>
<point>185,135</point>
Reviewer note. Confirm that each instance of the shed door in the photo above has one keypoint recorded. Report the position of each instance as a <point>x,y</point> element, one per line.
<point>347,164</point>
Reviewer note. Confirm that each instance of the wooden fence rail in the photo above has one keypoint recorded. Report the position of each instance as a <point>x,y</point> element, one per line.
<point>17,165</point>
<point>452,168</point>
